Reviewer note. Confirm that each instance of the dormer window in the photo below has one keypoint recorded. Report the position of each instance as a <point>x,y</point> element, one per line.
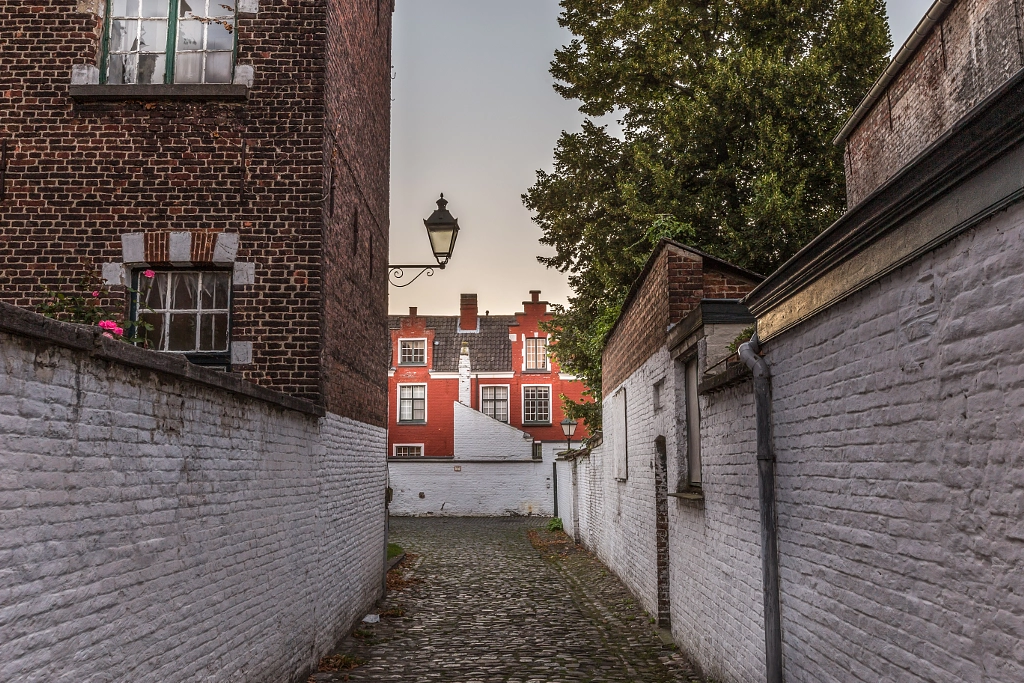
<point>169,41</point>
<point>412,351</point>
<point>537,354</point>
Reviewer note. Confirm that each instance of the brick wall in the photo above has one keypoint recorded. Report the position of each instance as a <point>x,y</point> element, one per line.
<point>156,528</point>
<point>81,174</point>
<point>898,430</point>
<point>976,47</point>
<point>475,489</point>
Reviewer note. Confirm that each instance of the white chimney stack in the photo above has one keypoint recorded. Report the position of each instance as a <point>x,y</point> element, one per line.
<point>465,386</point>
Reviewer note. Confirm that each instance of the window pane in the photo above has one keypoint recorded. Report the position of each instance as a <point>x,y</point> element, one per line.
<point>190,35</point>
<point>189,7</point>
<point>154,36</point>
<point>151,69</point>
<point>115,69</point>
<point>218,37</point>
<point>215,290</point>
<point>182,333</point>
<point>188,67</point>
<point>222,8</point>
<point>123,34</point>
<point>152,291</point>
<point>218,67</point>
<point>213,332</point>
<point>183,291</point>
<point>419,391</point>
<point>124,8</point>
<point>154,8</point>
<point>153,339</point>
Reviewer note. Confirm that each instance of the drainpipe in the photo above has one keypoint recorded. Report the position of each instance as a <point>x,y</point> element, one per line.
<point>769,524</point>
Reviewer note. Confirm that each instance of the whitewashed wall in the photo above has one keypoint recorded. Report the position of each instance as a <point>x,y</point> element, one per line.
<point>468,489</point>
<point>899,425</point>
<point>156,529</point>
<point>479,437</point>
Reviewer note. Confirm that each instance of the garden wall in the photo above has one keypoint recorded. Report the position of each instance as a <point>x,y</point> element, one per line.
<point>159,521</point>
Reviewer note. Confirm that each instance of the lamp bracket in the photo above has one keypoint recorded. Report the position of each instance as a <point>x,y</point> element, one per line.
<point>397,273</point>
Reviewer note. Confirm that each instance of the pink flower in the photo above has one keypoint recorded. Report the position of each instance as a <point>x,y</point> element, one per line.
<point>149,273</point>
<point>109,325</point>
<point>119,331</point>
<point>108,335</point>
<point>96,294</point>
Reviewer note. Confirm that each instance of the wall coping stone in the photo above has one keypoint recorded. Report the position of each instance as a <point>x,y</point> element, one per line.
<point>448,460</point>
<point>24,323</point>
<point>723,380</point>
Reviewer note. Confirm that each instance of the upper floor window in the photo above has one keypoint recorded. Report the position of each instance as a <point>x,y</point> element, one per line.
<point>409,451</point>
<point>190,311</point>
<point>412,351</point>
<point>536,353</point>
<point>169,41</point>
<point>537,404</point>
<point>412,403</point>
<point>494,402</point>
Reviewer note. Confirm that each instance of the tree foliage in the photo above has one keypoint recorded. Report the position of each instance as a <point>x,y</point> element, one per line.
<point>728,110</point>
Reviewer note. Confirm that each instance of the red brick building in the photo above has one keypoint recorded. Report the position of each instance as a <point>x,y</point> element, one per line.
<point>506,374</point>
<point>237,148</point>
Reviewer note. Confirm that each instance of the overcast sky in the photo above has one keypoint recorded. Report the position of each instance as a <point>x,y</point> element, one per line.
<point>474,116</point>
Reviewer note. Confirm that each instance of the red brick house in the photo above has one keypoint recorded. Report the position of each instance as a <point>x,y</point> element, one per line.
<point>239,149</point>
<point>496,364</point>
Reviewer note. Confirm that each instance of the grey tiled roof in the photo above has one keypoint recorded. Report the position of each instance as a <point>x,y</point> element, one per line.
<point>490,349</point>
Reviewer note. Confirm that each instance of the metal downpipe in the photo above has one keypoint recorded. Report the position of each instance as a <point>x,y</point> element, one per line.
<point>769,525</point>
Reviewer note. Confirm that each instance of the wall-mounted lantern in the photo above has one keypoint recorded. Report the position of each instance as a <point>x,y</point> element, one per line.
<point>442,231</point>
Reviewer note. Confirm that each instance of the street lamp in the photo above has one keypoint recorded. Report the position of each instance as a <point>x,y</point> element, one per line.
<point>442,231</point>
<point>568,428</point>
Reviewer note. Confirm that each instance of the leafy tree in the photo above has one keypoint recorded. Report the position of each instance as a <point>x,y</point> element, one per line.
<point>728,108</point>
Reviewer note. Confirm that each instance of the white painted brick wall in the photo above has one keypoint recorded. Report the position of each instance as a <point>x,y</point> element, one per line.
<point>565,495</point>
<point>478,437</point>
<point>154,529</point>
<point>899,425</point>
<point>477,489</point>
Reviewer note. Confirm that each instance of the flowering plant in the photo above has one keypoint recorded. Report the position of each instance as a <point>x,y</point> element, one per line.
<point>84,306</point>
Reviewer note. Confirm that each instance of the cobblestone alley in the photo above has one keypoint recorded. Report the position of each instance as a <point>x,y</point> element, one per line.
<point>501,599</point>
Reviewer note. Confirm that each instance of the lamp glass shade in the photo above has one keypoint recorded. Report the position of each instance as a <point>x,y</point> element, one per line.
<point>442,239</point>
<point>568,427</point>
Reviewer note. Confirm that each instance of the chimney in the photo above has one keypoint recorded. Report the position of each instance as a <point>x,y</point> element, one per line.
<point>465,384</point>
<point>535,296</point>
<point>412,311</point>
<point>468,313</point>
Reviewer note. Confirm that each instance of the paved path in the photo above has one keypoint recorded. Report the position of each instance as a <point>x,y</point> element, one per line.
<point>479,603</point>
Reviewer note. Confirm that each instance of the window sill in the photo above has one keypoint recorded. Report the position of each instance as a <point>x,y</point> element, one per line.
<point>412,365</point>
<point>536,424</point>
<point>179,91</point>
<point>537,371</point>
<point>688,495</point>
<point>412,422</point>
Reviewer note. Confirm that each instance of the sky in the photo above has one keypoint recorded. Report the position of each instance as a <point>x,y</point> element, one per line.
<point>474,116</point>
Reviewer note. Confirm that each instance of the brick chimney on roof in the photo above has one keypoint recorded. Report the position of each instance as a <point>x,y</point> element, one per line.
<point>535,296</point>
<point>468,313</point>
<point>412,311</point>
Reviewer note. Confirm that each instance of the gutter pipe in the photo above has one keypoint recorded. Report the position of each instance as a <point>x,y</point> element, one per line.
<point>769,523</point>
<point>933,17</point>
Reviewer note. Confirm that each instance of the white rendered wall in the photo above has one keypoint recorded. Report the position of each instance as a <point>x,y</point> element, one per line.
<point>153,529</point>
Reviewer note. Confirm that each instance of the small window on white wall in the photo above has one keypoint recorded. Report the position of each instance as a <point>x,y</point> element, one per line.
<point>692,426</point>
<point>619,425</point>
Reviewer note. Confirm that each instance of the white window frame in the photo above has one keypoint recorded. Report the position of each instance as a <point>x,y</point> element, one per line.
<point>508,401</point>
<point>618,421</point>
<point>412,339</point>
<point>140,309</point>
<point>522,398</point>
<point>395,447</point>
<point>694,473</point>
<point>398,406</point>
<point>526,355</point>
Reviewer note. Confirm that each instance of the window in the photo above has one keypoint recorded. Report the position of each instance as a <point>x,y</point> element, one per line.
<point>409,451</point>
<point>538,450</point>
<point>169,41</point>
<point>412,351</point>
<point>692,426</point>
<point>618,426</point>
<point>536,353</point>
<point>412,403</point>
<point>537,404</point>
<point>494,402</point>
<point>659,386</point>
<point>190,311</point>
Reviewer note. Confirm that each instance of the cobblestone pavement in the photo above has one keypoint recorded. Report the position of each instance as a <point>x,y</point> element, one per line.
<point>476,602</point>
